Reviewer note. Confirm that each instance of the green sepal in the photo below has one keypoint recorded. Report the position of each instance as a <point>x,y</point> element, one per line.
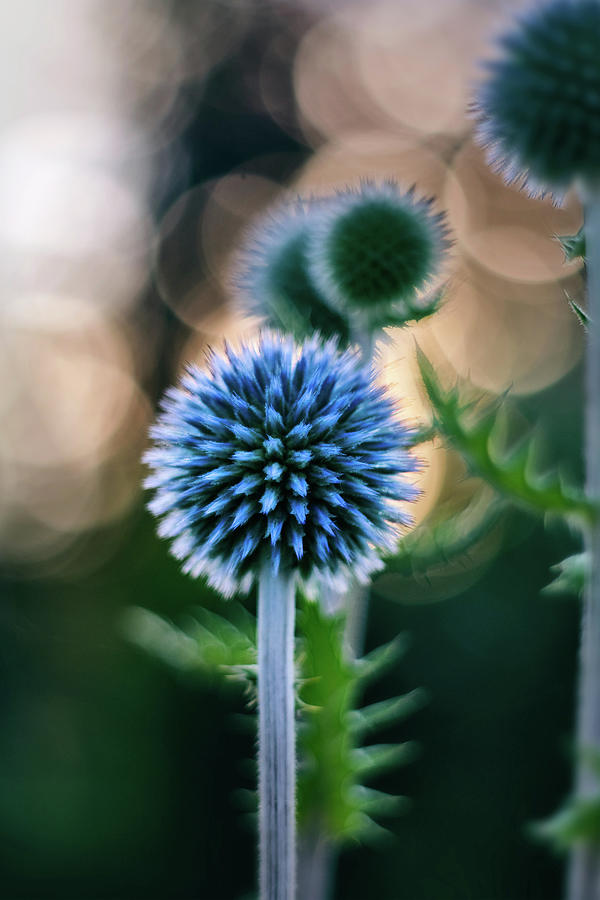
<point>475,432</point>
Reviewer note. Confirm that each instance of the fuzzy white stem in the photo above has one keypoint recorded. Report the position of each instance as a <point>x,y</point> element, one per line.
<point>584,871</point>
<point>276,738</point>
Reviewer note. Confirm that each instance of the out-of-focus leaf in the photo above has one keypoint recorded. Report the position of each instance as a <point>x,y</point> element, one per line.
<point>378,715</point>
<point>333,765</point>
<point>475,432</point>
<point>207,642</point>
<point>577,823</point>
<point>569,575</point>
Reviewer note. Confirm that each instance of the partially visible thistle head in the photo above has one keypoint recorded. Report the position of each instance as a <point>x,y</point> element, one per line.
<point>281,453</point>
<point>374,249</point>
<point>273,280</point>
<point>538,111</point>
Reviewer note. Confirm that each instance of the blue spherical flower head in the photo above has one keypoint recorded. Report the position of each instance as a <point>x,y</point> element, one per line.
<point>538,112</point>
<point>273,280</point>
<point>374,250</point>
<point>280,453</point>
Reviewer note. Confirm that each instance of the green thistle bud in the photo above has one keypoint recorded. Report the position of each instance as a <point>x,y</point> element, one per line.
<point>538,112</point>
<point>274,281</point>
<point>373,251</point>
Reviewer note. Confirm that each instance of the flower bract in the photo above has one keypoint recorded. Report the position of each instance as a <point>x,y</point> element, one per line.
<point>538,111</point>
<point>281,453</point>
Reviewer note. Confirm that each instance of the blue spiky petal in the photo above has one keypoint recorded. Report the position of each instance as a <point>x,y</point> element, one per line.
<point>373,250</point>
<point>538,111</point>
<point>282,453</point>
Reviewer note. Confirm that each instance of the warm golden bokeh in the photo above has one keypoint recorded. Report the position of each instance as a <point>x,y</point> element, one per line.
<point>380,92</point>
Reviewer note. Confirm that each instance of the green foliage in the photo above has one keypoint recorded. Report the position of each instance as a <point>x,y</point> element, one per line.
<point>578,822</point>
<point>206,644</point>
<point>573,245</point>
<point>333,764</point>
<point>476,433</point>
<point>570,575</point>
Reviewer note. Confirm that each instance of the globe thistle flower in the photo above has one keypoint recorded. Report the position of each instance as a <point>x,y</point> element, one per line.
<point>374,250</point>
<point>281,462</point>
<point>285,454</point>
<point>272,277</point>
<point>538,111</point>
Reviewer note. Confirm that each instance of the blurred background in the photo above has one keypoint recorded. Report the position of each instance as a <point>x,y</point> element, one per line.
<point>138,140</point>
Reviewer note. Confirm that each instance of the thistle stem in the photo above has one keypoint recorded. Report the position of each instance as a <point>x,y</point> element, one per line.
<point>316,860</point>
<point>584,871</point>
<point>276,740</point>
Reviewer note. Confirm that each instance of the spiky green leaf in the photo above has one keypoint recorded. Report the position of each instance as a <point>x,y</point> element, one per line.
<point>377,661</point>
<point>475,433</point>
<point>370,761</point>
<point>569,575</point>
<point>207,642</point>
<point>332,764</point>
<point>386,712</point>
